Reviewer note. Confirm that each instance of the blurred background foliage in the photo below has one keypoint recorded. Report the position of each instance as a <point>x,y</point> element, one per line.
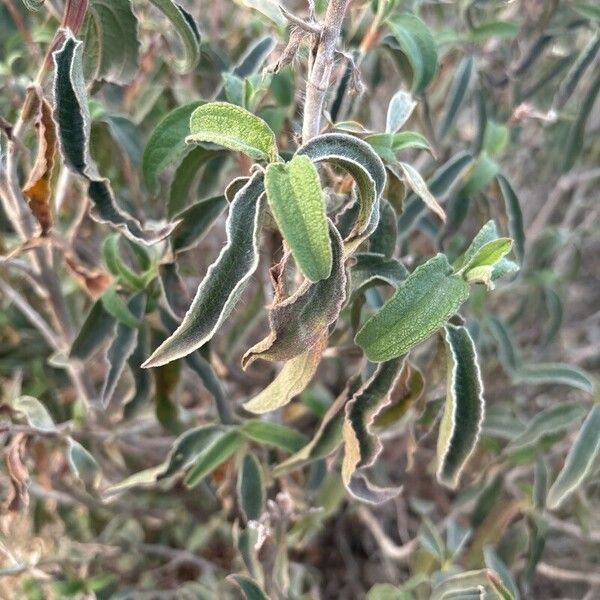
<point>511,118</point>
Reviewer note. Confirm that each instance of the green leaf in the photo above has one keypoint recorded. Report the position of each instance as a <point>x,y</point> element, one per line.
<point>225,279</point>
<point>195,221</point>
<point>247,586</point>
<point>555,373</point>
<point>481,266</point>
<point>361,445</point>
<point>234,128</point>
<point>115,264</point>
<point>494,29</point>
<point>399,110</point>
<point>98,325</point>
<point>301,320</point>
<point>298,205</point>
<point>419,187</point>
<point>217,451</point>
<point>515,216</point>
<point>422,304</point>
<point>509,357</point>
<point>117,307</point>
<point>579,462</point>
<point>187,29</point>
<point>166,145</point>
<point>551,420</point>
<point>456,94</point>
<point>388,144</point>
<point>419,47</point>
<point>383,239</point>
<point>186,448</point>
<point>273,434</point>
<point>291,380</point>
<point>463,411</point>
<point>431,540</point>
<point>251,488</point>
<point>359,159</point>
<point>111,41</point>
<point>71,114</point>
<point>121,348</point>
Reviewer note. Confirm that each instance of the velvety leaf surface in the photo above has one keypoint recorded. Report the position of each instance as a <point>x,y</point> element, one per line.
<point>250,487</point>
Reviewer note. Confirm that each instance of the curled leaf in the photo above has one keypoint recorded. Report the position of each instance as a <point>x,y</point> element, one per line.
<point>463,412</point>
<point>72,117</point>
<point>361,445</point>
<point>38,188</point>
<point>300,321</point>
<point>225,279</point>
<point>291,380</point>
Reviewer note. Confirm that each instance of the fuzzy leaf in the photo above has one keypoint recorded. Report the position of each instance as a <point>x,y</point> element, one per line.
<point>463,412</point>
<point>419,47</point>
<point>361,445</point>
<point>121,349</point>
<point>359,159</point>
<point>291,380</point>
<point>298,205</point>
<point>225,279</point>
<point>399,110</point>
<point>419,187</point>
<point>251,488</point>
<point>374,269</point>
<point>83,464</point>
<point>218,450</point>
<point>166,146</point>
<point>472,584</point>
<point>555,373</point>
<point>195,221</point>
<point>187,29</point>
<point>579,461</point>
<point>98,325</point>
<point>234,128</point>
<point>301,320</point>
<point>35,413</point>
<point>118,308</point>
<point>249,588</point>
<point>38,188</point>
<point>273,434</point>
<point>111,41</point>
<point>383,240</point>
<point>515,216</point>
<point>421,305</point>
<point>456,94</point>
<point>550,420</point>
<point>71,114</point>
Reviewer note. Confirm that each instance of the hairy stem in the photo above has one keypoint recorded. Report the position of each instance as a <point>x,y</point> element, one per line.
<point>320,72</point>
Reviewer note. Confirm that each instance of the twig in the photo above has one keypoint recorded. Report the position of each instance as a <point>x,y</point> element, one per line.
<point>307,26</point>
<point>559,574</point>
<point>318,79</point>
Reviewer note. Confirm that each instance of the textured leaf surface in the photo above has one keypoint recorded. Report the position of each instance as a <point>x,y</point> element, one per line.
<point>234,128</point>
<point>360,160</point>
<point>38,188</point>
<point>166,145</point>
<point>290,381</point>
<point>456,94</point>
<point>300,321</point>
<point>579,462</point>
<point>248,586</point>
<point>419,187</point>
<point>298,205</point>
<point>472,584</point>
<point>187,29</point>
<point>361,445</point>
<point>555,373</point>
<point>420,306</point>
<point>111,41</point>
<point>98,325</point>
<point>374,269</point>
<point>399,110</point>
<point>515,216</point>
<point>463,411</point>
<point>418,46</point>
<point>71,114</point>
<point>225,279</point>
